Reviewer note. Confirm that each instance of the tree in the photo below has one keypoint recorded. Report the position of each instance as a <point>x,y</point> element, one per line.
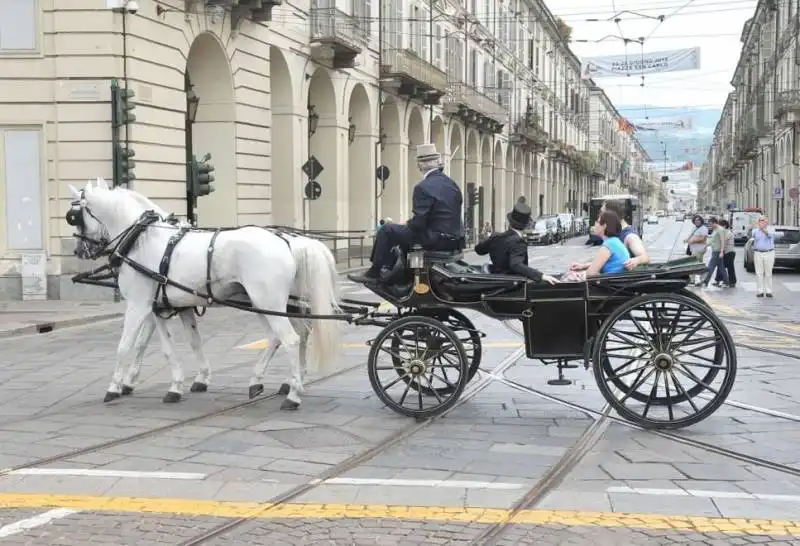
<point>564,30</point>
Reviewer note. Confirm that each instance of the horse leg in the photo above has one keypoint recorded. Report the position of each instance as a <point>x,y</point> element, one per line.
<point>135,318</point>
<point>142,341</point>
<point>259,370</point>
<point>303,329</point>
<point>175,391</point>
<point>203,376</point>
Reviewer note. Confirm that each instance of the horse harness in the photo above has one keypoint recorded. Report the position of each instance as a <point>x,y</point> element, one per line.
<point>118,249</point>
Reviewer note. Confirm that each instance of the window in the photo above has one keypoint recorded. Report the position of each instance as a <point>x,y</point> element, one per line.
<point>437,44</point>
<point>21,189</point>
<point>18,26</point>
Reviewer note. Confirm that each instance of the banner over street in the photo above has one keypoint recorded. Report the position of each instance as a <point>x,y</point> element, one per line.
<point>616,66</point>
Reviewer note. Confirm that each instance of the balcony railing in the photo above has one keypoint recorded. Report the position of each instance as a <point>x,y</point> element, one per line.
<point>529,134</point>
<point>461,95</point>
<point>408,67</point>
<point>333,26</point>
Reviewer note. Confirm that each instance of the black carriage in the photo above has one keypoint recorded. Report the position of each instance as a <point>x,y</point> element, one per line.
<point>659,354</point>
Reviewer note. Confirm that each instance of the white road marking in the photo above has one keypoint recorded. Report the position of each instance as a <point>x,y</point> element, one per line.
<point>420,483</point>
<point>36,521</point>
<point>704,494</point>
<point>103,473</point>
<point>792,286</point>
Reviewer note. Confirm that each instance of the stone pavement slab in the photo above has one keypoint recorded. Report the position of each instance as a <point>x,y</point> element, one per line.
<point>36,317</point>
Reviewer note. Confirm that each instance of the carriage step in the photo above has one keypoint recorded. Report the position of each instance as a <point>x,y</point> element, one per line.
<point>559,382</point>
<point>569,366</point>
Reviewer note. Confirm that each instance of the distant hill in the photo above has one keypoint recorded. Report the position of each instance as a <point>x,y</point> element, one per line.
<point>682,144</point>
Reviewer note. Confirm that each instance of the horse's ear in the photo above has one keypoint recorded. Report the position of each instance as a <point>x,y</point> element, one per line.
<point>101,183</point>
<point>75,193</point>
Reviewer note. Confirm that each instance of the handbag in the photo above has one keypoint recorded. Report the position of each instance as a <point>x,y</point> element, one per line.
<point>689,246</point>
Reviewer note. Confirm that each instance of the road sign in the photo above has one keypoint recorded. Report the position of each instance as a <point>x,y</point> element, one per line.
<point>313,190</point>
<point>794,193</point>
<point>382,173</point>
<point>312,168</point>
<point>777,193</point>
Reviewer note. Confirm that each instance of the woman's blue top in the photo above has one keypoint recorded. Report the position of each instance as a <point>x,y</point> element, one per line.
<point>619,255</point>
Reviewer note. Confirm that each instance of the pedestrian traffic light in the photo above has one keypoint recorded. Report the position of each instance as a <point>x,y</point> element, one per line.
<point>472,196</point>
<point>123,165</point>
<point>122,105</point>
<point>202,182</point>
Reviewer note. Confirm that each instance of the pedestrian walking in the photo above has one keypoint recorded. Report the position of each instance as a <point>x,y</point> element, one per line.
<point>763,256</point>
<point>717,243</point>
<point>696,242</point>
<point>729,259</point>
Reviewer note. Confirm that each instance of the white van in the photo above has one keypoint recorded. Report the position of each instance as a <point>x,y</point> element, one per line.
<point>742,224</point>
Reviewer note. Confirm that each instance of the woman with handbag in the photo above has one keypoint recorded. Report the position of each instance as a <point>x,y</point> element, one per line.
<point>696,243</point>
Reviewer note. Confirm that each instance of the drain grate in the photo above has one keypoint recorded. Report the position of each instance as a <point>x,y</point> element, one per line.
<point>44,328</point>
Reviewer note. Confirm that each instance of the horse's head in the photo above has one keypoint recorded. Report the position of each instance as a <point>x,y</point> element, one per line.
<point>100,215</point>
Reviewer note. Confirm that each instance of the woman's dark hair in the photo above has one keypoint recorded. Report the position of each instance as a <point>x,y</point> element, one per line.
<point>697,217</point>
<point>724,223</point>
<point>382,222</point>
<point>612,222</point>
<point>617,207</point>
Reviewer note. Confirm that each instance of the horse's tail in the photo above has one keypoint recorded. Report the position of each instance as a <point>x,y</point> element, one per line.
<point>316,281</point>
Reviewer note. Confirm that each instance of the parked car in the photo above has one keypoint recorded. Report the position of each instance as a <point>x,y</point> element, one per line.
<point>787,248</point>
<point>652,219</point>
<point>567,224</point>
<point>542,231</point>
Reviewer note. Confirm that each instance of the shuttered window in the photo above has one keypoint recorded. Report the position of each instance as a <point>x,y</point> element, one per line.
<point>21,189</point>
<point>18,26</point>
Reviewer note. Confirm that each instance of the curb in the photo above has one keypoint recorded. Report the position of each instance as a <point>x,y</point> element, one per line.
<point>50,326</point>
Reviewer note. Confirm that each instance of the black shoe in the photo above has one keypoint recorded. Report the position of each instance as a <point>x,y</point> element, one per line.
<point>759,295</point>
<point>769,294</point>
<point>370,275</point>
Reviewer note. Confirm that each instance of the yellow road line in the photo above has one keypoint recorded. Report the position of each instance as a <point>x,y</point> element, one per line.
<point>226,509</point>
<point>263,343</point>
<point>721,307</point>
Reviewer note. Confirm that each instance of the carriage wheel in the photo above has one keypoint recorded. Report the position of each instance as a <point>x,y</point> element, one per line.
<point>659,350</point>
<point>464,329</point>
<point>425,347</point>
<point>698,388</point>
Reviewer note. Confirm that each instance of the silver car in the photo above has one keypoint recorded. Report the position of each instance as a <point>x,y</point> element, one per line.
<point>787,248</point>
<point>541,231</point>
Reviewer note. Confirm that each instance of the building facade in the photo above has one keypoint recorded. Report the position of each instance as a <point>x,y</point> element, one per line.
<point>262,87</point>
<point>753,159</point>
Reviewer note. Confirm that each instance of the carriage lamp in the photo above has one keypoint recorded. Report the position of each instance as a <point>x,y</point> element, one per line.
<point>192,101</point>
<point>416,259</point>
<point>351,131</point>
<point>313,120</point>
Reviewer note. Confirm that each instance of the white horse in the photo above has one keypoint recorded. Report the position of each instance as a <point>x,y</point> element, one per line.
<point>248,260</point>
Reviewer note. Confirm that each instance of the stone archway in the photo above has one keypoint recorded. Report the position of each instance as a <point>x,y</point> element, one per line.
<point>488,183</point>
<point>361,170</point>
<point>541,188</point>
<point>500,191</point>
<point>416,136</point>
<point>393,148</point>
<point>323,213</point>
<point>437,134</point>
<point>286,190</point>
<point>456,150</point>
<point>473,177</point>
<point>208,72</point>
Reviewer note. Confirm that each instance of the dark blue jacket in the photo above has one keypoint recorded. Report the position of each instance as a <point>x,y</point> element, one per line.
<point>437,212</point>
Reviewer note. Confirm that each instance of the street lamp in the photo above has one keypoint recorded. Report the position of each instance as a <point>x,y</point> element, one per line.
<point>313,120</point>
<point>192,102</point>
<point>351,131</point>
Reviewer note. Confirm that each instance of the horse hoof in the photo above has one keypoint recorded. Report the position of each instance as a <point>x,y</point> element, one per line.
<point>198,387</point>
<point>284,390</point>
<point>111,396</point>
<point>172,397</point>
<point>288,405</point>
<point>126,390</point>
<point>255,390</point>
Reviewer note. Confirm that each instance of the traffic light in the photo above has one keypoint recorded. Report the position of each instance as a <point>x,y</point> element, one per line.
<point>122,105</point>
<point>202,182</point>
<point>123,165</point>
<point>472,197</point>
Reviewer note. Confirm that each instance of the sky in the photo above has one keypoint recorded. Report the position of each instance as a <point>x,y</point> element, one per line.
<point>713,25</point>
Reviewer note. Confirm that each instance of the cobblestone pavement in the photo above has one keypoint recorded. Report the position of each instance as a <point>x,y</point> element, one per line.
<point>447,483</point>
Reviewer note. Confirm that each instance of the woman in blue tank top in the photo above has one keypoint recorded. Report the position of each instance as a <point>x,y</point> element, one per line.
<point>613,254</point>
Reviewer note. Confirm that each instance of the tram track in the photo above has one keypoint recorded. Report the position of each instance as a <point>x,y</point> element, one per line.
<point>477,385</point>
<point>166,428</point>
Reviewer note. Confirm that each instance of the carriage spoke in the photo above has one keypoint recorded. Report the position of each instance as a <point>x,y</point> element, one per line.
<point>653,393</point>
<point>638,384</point>
<point>682,391</point>
<point>696,379</point>
<point>670,411</point>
